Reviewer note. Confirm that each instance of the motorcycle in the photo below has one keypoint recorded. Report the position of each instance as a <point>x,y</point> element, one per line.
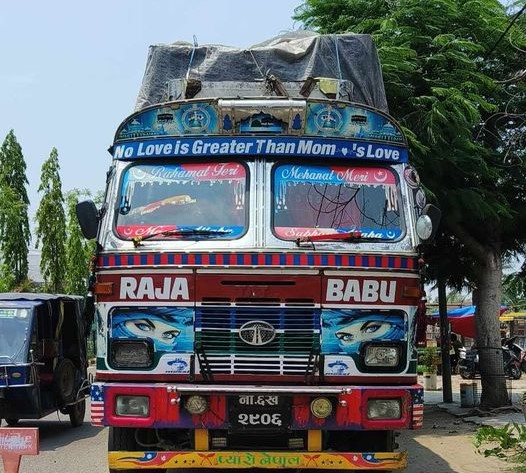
<point>513,365</point>
<point>518,351</point>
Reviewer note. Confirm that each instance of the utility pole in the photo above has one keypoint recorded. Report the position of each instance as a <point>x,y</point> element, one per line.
<point>447,395</point>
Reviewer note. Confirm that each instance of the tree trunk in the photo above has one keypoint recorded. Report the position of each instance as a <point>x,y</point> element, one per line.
<point>489,295</point>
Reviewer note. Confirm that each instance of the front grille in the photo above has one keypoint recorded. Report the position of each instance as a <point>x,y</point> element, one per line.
<point>291,351</point>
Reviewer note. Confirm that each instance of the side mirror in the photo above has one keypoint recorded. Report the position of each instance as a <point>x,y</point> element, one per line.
<point>427,223</point>
<point>87,216</point>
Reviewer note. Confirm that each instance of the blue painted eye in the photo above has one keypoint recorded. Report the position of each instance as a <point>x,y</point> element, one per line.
<point>143,326</point>
<point>372,328</point>
<point>344,336</point>
<point>171,334</point>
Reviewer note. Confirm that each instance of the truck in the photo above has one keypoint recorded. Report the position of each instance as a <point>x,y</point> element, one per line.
<point>257,280</point>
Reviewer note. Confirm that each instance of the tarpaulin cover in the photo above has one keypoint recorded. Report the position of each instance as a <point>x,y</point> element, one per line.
<point>462,320</point>
<point>290,57</point>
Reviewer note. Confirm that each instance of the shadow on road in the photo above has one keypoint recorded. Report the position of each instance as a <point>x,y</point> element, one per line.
<point>55,431</point>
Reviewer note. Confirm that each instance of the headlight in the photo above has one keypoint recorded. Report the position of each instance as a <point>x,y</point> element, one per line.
<point>378,355</point>
<point>321,407</point>
<point>196,404</point>
<point>384,409</point>
<point>137,406</point>
<point>131,354</point>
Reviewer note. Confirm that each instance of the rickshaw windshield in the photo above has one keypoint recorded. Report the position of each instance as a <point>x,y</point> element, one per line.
<point>15,324</point>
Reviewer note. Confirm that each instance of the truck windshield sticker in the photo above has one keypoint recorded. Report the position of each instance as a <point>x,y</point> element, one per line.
<point>263,146</point>
<point>346,331</point>
<point>183,201</point>
<point>170,328</point>
<point>8,313</point>
<point>317,200</point>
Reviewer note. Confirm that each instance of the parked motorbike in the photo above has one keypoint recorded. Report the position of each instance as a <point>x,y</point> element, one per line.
<point>513,365</point>
<point>518,351</point>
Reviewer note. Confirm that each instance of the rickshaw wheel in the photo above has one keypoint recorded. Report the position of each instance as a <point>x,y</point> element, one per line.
<point>123,439</point>
<point>11,422</point>
<point>76,413</point>
<point>64,379</point>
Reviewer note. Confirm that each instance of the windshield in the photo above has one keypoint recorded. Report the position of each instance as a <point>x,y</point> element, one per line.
<point>157,198</point>
<point>14,334</point>
<point>317,200</point>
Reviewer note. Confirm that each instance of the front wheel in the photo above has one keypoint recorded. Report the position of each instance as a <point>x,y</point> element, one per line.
<point>76,413</point>
<point>123,439</point>
<point>515,372</point>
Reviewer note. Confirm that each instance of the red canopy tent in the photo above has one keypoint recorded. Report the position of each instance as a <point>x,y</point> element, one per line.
<point>462,320</point>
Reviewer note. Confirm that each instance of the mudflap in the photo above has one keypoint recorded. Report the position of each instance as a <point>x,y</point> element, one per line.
<point>270,460</point>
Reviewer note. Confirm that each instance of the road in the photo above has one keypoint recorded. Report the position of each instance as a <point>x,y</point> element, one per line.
<point>444,445</point>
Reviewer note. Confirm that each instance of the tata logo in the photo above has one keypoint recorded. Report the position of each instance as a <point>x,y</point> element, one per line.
<point>366,290</point>
<point>169,289</point>
<point>257,332</point>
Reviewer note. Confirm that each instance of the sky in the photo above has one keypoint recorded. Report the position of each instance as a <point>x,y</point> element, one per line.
<point>72,70</point>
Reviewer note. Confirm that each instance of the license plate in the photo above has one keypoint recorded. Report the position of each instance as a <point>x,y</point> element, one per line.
<point>259,412</point>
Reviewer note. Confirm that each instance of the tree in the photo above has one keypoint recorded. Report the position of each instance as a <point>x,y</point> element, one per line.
<point>15,234</point>
<point>447,82</point>
<point>51,225</point>
<point>78,250</point>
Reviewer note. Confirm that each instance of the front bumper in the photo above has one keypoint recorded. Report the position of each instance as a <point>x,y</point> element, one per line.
<point>167,410</point>
<point>269,460</point>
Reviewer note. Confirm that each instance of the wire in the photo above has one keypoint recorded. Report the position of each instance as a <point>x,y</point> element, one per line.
<point>192,56</point>
<point>513,20</point>
<point>256,63</point>
<point>337,57</point>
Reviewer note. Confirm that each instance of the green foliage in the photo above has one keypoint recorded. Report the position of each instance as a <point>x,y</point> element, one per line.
<point>507,442</point>
<point>78,250</point>
<point>514,291</point>
<point>14,202</point>
<point>430,359</point>
<point>51,226</point>
<point>7,279</point>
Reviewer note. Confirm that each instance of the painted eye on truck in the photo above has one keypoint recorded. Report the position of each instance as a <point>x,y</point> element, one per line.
<point>372,328</point>
<point>171,334</point>
<point>143,326</point>
<point>345,336</point>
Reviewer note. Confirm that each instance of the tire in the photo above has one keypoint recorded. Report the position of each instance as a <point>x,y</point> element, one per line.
<point>466,375</point>
<point>515,372</point>
<point>11,421</point>
<point>76,413</point>
<point>121,438</point>
<point>64,381</point>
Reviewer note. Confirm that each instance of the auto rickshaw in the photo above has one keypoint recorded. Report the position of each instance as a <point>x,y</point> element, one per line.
<point>43,359</point>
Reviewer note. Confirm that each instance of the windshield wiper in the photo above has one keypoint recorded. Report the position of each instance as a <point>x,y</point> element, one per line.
<point>349,237</point>
<point>180,232</point>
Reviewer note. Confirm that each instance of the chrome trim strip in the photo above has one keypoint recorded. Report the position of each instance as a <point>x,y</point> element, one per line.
<point>246,389</point>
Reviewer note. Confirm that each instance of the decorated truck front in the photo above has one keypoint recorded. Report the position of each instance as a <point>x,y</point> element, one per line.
<point>257,278</point>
